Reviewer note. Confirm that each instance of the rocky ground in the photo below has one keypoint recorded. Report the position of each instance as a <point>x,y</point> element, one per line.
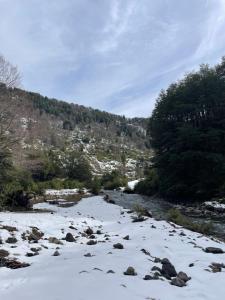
<point>97,250</point>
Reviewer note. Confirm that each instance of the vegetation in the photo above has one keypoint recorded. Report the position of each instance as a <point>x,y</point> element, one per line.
<point>187,132</point>
<point>175,216</point>
<point>113,180</point>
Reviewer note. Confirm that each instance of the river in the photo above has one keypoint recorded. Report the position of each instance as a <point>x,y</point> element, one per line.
<point>159,209</point>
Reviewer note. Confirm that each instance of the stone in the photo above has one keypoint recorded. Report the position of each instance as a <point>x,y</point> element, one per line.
<point>92,236</point>
<point>127,237</point>
<point>138,219</point>
<point>130,272</point>
<point>183,276</point>
<point>168,270</point>
<point>9,228</point>
<point>88,254</point>
<point>89,231</point>
<point>69,237</point>
<point>91,242</point>
<point>148,277</point>
<point>54,240</point>
<point>118,246</point>
<point>110,272</point>
<point>178,282</point>
<point>3,253</point>
<point>35,235</point>
<point>12,264</point>
<point>155,268</point>
<point>56,253</point>
<point>11,240</point>
<point>191,265</point>
<point>98,232</point>
<point>214,250</point>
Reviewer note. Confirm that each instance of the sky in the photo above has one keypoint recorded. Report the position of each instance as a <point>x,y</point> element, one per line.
<point>114,55</point>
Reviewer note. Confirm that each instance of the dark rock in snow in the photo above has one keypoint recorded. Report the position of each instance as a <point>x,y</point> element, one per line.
<point>183,276</point>
<point>56,253</point>
<point>11,240</point>
<point>178,282</point>
<point>12,264</point>
<point>54,240</point>
<point>110,272</point>
<point>69,237</point>
<point>91,242</point>
<point>148,277</point>
<point>155,268</point>
<point>168,270</point>
<point>3,253</point>
<point>214,250</point>
<point>118,246</point>
<point>138,219</point>
<point>130,272</point>
<point>127,237</point>
<point>89,231</point>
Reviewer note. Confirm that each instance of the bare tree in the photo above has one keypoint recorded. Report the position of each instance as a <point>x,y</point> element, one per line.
<point>9,74</point>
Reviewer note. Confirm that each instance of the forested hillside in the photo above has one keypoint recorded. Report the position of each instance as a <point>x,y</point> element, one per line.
<point>39,125</point>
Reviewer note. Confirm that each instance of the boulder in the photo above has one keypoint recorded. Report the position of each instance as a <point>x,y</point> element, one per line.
<point>54,240</point>
<point>69,237</point>
<point>3,253</point>
<point>118,246</point>
<point>130,272</point>
<point>183,276</point>
<point>214,250</point>
<point>178,282</point>
<point>56,253</point>
<point>168,269</point>
<point>11,240</point>
<point>91,242</point>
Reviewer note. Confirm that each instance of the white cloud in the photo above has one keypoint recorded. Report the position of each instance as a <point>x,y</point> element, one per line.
<point>115,55</point>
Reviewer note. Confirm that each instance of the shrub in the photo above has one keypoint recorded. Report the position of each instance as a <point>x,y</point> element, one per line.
<point>148,186</point>
<point>113,180</point>
<point>175,216</point>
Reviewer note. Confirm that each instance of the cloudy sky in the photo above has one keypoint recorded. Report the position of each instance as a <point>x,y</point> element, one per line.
<point>114,55</point>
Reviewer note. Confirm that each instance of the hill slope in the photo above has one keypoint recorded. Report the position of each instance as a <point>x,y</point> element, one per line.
<point>42,123</point>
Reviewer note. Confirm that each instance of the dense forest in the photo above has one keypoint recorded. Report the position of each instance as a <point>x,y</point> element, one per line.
<point>187,132</point>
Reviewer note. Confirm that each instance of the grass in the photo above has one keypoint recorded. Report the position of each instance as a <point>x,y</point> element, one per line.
<point>175,216</point>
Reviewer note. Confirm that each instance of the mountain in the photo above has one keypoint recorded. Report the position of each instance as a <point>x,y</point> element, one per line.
<point>107,140</point>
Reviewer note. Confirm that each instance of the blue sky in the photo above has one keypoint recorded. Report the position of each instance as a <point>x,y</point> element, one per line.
<point>114,55</point>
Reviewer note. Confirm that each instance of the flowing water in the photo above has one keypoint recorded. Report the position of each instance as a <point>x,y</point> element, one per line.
<point>160,207</point>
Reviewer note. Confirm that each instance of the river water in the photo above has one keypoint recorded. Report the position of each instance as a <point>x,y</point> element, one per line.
<point>159,209</point>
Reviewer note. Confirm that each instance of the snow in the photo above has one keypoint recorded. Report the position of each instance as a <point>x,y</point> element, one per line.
<point>215,204</point>
<point>131,184</point>
<point>73,276</point>
<point>61,192</point>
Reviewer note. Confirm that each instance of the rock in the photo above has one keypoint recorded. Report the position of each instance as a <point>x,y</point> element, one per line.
<point>3,253</point>
<point>72,227</point>
<point>155,268</point>
<point>110,272</point>
<point>56,253</point>
<point>54,240</point>
<point>89,231</point>
<point>92,236</point>
<point>127,237</point>
<point>138,219</point>
<point>178,282</point>
<point>191,265</point>
<point>130,272</point>
<point>157,260</point>
<point>98,232</point>
<point>69,237</point>
<point>168,270</point>
<point>12,263</point>
<point>11,240</point>
<point>30,254</point>
<point>118,246</point>
<point>88,254</point>
<point>9,228</point>
<point>35,249</point>
<point>35,235</point>
<point>183,276</point>
<point>91,242</point>
<point>148,277</point>
<point>145,252</point>
<point>214,250</point>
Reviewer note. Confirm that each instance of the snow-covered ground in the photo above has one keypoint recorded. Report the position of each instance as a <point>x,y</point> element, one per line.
<point>75,276</point>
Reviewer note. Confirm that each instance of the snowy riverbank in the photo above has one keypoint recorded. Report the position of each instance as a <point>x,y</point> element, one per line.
<point>93,272</point>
